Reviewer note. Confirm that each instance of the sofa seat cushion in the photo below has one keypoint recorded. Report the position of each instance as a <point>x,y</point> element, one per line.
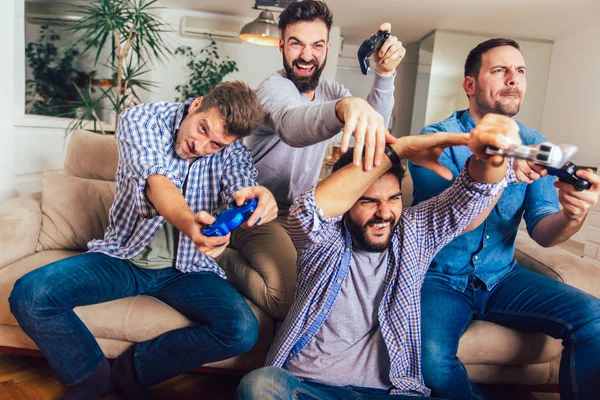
<point>488,343</point>
<point>131,319</point>
<point>74,211</point>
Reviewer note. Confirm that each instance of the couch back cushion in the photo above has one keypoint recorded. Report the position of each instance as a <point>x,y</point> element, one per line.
<point>74,211</point>
<point>92,156</point>
<point>407,190</point>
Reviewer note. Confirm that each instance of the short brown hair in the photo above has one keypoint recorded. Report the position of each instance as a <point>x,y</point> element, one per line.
<point>473,62</point>
<point>305,11</point>
<point>237,104</point>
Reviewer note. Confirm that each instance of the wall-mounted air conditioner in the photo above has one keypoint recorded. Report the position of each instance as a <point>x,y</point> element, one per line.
<point>219,28</point>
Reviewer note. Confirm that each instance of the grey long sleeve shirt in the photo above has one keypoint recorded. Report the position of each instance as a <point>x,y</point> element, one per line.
<point>289,147</point>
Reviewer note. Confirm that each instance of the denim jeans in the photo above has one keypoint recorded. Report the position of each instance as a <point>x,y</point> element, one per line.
<point>43,300</point>
<point>522,300</point>
<point>272,383</point>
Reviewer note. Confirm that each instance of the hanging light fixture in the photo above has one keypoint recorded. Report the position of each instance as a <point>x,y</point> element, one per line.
<point>262,31</point>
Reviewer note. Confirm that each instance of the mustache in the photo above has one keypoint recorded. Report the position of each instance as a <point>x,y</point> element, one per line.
<point>377,220</point>
<point>510,92</point>
<point>299,60</point>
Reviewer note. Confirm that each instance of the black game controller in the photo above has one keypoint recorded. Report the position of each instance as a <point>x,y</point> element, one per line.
<point>367,48</point>
<point>567,174</point>
<point>555,158</point>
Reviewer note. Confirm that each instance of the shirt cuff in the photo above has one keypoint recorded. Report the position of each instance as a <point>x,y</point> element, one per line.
<point>383,82</point>
<point>330,118</point>
<point>307,202</point>
<point>484,188</point>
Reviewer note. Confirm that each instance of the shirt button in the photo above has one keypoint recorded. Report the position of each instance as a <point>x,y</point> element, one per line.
<point>487,236</point>
<point>347,249</point>
<point>324,311</point>
<point>308,335</point>
<point>339,281</point>
<point>476,257</point>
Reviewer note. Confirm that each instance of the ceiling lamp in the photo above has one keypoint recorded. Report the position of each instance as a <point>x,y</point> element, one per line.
<point>262,31</point>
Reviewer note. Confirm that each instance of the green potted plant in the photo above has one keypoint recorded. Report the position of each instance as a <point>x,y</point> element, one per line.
<point>206,71</point>
<point>134,36</point>
<point>52,90</point>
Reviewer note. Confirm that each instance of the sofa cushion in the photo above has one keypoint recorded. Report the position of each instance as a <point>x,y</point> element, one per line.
<point>91,156</point>
<point>488,343</point>
<point>20,222</point>
<point>74,211</point>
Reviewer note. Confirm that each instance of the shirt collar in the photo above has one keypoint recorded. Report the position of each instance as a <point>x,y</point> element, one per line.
<point>467,121</point>
<point>181,114</point>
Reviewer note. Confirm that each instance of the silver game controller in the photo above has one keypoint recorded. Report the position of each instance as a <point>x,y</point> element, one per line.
<point>555,158</point>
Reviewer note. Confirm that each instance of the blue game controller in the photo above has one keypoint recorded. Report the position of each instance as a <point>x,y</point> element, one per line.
<point>230,219</point>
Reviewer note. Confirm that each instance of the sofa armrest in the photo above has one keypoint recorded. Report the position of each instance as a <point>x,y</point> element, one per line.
<point>20,224</point>
<point>559,264</point>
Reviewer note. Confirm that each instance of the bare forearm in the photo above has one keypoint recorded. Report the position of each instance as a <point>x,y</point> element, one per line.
<point>486,173</point>
<point>169,202</point>
<point>555,229</point>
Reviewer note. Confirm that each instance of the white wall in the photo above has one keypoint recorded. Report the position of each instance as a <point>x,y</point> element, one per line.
<point>255,63</point>
<point>572,108</point>
<point>12,11</point>
<point>349,75</point>
<point>447,71</point>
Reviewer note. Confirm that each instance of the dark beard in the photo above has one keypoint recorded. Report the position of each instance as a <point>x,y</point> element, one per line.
<point>304,84</point>
<point>359,234</point>
<point>508,110</point>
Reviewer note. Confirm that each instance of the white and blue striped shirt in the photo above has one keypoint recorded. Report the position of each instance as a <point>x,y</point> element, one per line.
<point>324,254</point>
<point>146,136</point>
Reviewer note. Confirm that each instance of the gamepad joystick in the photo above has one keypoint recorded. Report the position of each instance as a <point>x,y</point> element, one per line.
<point>368,47</point>
<point>230,219</point>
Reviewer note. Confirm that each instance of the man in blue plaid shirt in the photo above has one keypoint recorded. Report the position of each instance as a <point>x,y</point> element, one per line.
<point>354,328</point>
<point>177,164</point>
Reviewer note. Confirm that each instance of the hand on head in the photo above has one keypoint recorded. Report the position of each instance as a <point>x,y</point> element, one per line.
<point>368,126</point>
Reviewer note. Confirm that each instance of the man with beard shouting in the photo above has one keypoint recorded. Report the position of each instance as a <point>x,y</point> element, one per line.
<point>476,277</point>
<point>288,149</point>
<point>353,330</point>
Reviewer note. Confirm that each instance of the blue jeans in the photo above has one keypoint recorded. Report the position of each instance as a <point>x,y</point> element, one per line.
<point>522,300</point>
<point>43,300</point>
<point>272,383</point>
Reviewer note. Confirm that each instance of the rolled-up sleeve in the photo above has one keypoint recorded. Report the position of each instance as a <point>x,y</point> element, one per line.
<point>239,171</point>
<point>307,224</point>
<point>141,154</point>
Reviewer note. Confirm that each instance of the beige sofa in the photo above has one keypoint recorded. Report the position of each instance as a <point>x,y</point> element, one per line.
<point>73,208</point>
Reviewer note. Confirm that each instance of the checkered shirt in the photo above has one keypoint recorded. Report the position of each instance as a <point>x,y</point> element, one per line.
<point>324,254</point>
<point>146,137</point>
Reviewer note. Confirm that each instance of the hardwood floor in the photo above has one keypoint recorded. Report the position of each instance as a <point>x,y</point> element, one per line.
<point>30,378</point>
<point>25,378</point>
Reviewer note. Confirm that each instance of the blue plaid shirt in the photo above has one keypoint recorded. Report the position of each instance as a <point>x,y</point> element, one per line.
<point>324,254</point>
<point>146,137</point>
